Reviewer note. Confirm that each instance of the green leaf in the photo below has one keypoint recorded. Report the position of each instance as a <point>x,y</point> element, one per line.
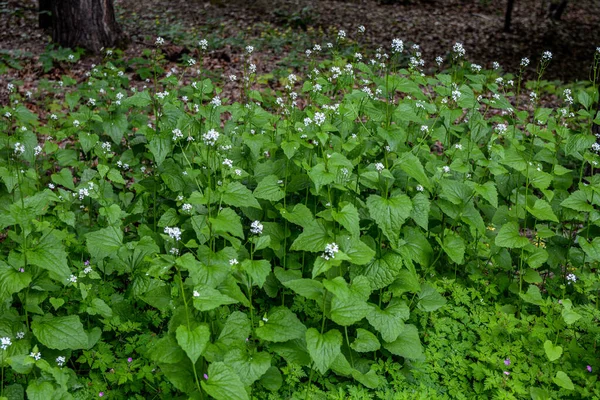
<point>533,296</point>
<point>430,299</point>
<point>309,288</point>
<point>64,178</point>
<point>389,322</point>
<point>60,333</point>
<point>269,189</point>
<point>323,349</point>
<point>570,316</point>
<point>281,325</point>
<point>300,215</point>
<point>160,147</point>
<point>454,246</point>
<point>488,191</point>
<point>104,242</point>
<point>365,341</point>
<point>207,298</point>
<point>40,390</point>
<point>50,255</point>
<point>139,100</point>
<point>383,270</point>
<point>194,341</point>
<point>320,176</point>
<point>348,218</point>
<point>407,345</point>
<point>420,211</point>
<point>532,276</point>
<point>509,236</point>
<point>115,176</point>
<point>272,379</point>
<point>223,383</point>
<point>563,380</point>
<point>237,328</point>
<point>12,281</point>
<point>248,367</point>
<point>228,221</point>
<point>115,126</point>
<point>349,304</point>
<point>314,238</point>
<point>592,249</point>
<point>411,164</point>
<point>542,211</point>
<point>552,352</point>
<point>539,394</point>
<point>389,214</point>
<point>258,270</point>
<point>578,201</point>
<point>99,307</point>
<point>237,195</point>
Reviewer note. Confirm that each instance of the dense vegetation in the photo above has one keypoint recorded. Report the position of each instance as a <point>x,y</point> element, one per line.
<point>367,231</point>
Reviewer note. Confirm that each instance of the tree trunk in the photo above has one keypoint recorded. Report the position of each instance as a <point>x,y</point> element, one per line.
<point>89,24</point>
<point>44,16</point>
<point>508,15</point>
<point>557,9</point>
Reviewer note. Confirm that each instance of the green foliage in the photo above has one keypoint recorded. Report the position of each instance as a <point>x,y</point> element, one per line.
<point>399,236</point>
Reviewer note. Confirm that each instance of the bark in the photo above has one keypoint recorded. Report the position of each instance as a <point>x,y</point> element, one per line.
<point>89,24</point>
<point>508,16</point>
<point>44,16</point>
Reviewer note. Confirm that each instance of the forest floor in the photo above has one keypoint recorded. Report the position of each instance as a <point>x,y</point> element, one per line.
<point>281,30</point>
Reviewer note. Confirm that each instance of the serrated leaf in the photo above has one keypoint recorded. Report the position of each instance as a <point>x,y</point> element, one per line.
<point>454,246</point>
<point>268,189</point>
<point>314,238</point>
<point>223,383</point>
<point>389,322</point>
<point>577,201</point>
<point>207,298</point>
<point>365,341</point>
<point>411,164</point>
<point>193,341</point>
<point>281,325</point>
<point>49,254</point>
<point>237,195</point>
<point>323,349</point>
<point>104,242</point>
<point>407,345</point>
<point>228,221</point>
<point>488,191</point>
<point>389,214</point>
<point>257,269</point>
<point>509,236</point>
<point>300,215</point>
<point>248,367</point>
<point>383,270</point>
<point>591,249</point>
<point>64,178</point>
<point>542,211</point>
<point>348,218</point>
<point>533,296</point>
<point>60,333</point>
<point>430,299</point>
<point>12,281</point>
<point>160,147</point>
<point>420,210</point>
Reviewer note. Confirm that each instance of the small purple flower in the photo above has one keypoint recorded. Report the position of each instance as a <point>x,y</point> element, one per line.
<point>21,269</point>
<point>101,394</point>
<point>507,362</point>
<point>506,373</point>
<point>129,359</point>
<point>206,376</point>
<point>86,263</point>
<point>589,368</point>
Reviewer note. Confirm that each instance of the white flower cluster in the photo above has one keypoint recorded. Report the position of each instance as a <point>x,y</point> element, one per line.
<point>568,97</point>
<point>177,134</point>
<point>501,128</point>
<point>210,138</point>
<point>397,46</point>
<point>19,148</point>
<point>379,167</point>
<point>256,228</point>
<point>36,356</point>
<point>459,49</point>
<point>60,361</point>
<point>546,56</point>
<point>203,44</point>
<point>524,62</point>
<point>571,278</point>
<point>174,233</point>
<point>5,342</point>
<point>319,118</point>
<point>186,207</point>
<point>330,251</point>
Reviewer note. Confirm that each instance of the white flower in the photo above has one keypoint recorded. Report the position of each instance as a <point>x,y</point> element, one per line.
<point>233,261</point>
<point>456,95</point>
<point>330,250</point>
<point>361,29</point>
<point>87,270</point>
<point>4,343</point>
<point>341,34</point>
<point>256,228</point>
<point>174,233</point>
<point>186,207</point>
<point>571,278</point>
<point>73,279</point>
<point>60,360</point>
<point>533,96</point>
<point>524,62</point>
<point>19,148</point>
<point>424,128</point>
<point>379,167</point>
<point>174,251</point>
<point>319,118</point>
<point>228,162</point>
<point>36,356</point>
<point>238,172</point>
<point>446,169</point>
<point>10,87</point>
<point>210,137</point>
<point>252,68</point>
<point>596,147</point>
<point>439,60</point>
<point>196,294</point>
<point>191,62</point>
<point>51,186</point>
<point>216,101</point>
<point>232,78</point>
<point>496,65</point>
<point>358,56</point>
<point>458,146</point>
<point>459,49</point>
<point>71,57</point>
<point>106,146</point>
<point>159,41</point>
<point>501,128</point>
<point>53,117</point>
<point>203,44</point>
<point>249,49</point>
<point>419,188</point>
<point>546,56</point>
<point>476,67</point>
<point>397,46</point>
